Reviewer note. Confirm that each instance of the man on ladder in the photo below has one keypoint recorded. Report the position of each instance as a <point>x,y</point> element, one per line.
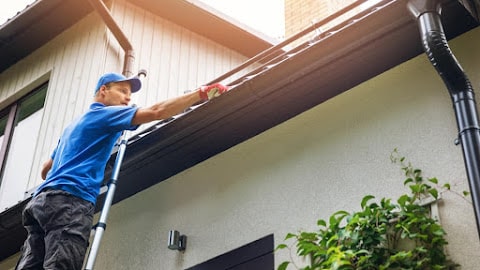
<point>59,217</point>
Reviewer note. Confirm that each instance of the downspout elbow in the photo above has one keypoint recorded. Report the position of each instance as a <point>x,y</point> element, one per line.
<point>434,42</point>
<point>122,39</point>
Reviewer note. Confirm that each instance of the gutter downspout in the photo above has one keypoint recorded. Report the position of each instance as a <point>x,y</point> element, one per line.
<point>427,13</point>
<point>129,57</point>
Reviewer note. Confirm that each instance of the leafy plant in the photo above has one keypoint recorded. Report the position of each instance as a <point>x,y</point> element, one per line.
<point>382,235</point>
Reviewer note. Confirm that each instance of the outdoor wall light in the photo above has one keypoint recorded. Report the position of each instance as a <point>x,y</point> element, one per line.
<point>176,241</point>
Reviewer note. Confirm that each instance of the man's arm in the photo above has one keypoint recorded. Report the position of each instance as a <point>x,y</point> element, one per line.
<point>174,106</point>
<point>46,167</point>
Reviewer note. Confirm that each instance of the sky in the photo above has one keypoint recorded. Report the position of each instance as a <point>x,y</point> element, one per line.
<point>266,16</point>
<point>8,8</point>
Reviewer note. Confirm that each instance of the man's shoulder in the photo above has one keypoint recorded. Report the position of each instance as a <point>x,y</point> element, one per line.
<point>97,105</point>
<point>101,106</point>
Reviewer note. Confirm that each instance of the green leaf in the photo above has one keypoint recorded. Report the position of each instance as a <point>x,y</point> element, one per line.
<point>434,193</point>
<point>283,266</point>
<point>416,188</point>
<point>403,200</point>
<point>433,180</point>
<point>447,186</point>
<point>466,193</point>
<point>408,180</point>
<point>290,235</point>
<point>337,217</point>
<point>281,246</point>
<point>321,222</point>
<point>341,213</point>
<point>365,200</point>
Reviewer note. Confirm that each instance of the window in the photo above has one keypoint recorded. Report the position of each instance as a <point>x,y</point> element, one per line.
<point>257,255</point>
<point>19,127</point>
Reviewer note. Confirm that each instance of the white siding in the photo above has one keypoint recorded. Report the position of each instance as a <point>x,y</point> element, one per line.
<point>176,60</point>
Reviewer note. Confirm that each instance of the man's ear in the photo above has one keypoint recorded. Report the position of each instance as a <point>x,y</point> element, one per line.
<point>100,92</point>
<point>102,88</point>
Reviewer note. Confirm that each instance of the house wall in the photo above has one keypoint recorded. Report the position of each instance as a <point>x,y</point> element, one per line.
<point>307,168</point>
<point>176,60</point>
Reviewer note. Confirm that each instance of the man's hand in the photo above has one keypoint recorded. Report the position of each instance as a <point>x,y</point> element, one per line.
<point>208,92</point>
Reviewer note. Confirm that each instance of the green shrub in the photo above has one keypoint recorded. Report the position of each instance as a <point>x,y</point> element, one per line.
<point>383,235</point>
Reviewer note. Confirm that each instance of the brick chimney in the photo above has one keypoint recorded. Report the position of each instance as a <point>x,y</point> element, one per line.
<point>300,14</point>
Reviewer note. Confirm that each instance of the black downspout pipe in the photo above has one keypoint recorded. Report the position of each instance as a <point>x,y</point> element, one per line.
<point>122,39</point>
<point>427,13</point>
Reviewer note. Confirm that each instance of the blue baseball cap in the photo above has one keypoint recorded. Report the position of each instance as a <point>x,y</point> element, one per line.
<point>134,81</point>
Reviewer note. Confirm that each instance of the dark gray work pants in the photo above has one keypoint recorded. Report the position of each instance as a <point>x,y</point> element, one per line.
<point>58,226</point>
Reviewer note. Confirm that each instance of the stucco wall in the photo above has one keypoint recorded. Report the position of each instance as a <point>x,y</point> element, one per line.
<point>288,177</point>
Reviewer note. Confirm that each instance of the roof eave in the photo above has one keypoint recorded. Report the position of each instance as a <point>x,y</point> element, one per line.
<point>44,20</point>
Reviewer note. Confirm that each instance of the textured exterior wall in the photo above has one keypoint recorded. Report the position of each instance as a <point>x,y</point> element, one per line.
<point>321,161</point>
<point>176,59</point>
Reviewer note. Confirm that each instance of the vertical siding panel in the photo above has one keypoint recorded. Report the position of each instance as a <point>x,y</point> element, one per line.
<point>97,65</point>
<point>155,73</point>
<point>165,63</point>
<point>87,63</point>
<point>19,78</point>
<point>176,60</point>
<point>141,40</point>
<point>113,53</point>
<point>201,66</point>
<point>209,62</point>
<point>27,73</point>
<point>70,87</point>
<point>193,63</point>
<point>163,49</point>
<point>184,57</point>
<point>64,92</point>
<point>146,54</point>
<point>11,82</point>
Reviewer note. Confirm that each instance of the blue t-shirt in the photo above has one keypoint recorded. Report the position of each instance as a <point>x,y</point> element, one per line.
<point>84,148</point>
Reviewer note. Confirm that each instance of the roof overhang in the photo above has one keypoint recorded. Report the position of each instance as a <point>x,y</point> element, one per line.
<point>44,20</point>
<point>359,51</point>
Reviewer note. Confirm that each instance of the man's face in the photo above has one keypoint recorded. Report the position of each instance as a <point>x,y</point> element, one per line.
<point>117,93</point>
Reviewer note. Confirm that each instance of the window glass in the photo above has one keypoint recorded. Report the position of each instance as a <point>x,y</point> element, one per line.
<point>31,104</point>
<point>19,159</point>
<point>3,123</point>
